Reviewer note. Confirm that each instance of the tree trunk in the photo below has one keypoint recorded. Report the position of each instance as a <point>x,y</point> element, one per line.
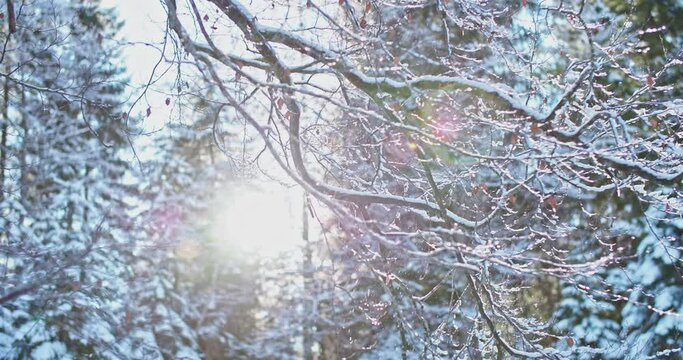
<point>308,282</point>
<point>3,139</point>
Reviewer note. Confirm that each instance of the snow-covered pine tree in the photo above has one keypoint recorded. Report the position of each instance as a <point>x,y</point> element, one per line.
<point>158,311</point>
<point>628,309</point>
<point>653,283</point>
<point>65,218</point>
<point>200,294</point>
<point>652,278</point>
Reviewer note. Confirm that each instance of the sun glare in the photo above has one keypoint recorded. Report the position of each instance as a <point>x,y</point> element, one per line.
<point>257,219</point>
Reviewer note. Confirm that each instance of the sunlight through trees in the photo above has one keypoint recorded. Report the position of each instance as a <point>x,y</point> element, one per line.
<point>341,179</point>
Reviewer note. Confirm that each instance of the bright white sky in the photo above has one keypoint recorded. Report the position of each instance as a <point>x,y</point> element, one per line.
<point>143,31</point>
<point>144,23</point>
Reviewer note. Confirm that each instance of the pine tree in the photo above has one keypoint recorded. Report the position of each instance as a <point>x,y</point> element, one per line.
<point>621,320</point>
<point>653,282</point>
<point>64,199</point>
<point>202,295</point>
